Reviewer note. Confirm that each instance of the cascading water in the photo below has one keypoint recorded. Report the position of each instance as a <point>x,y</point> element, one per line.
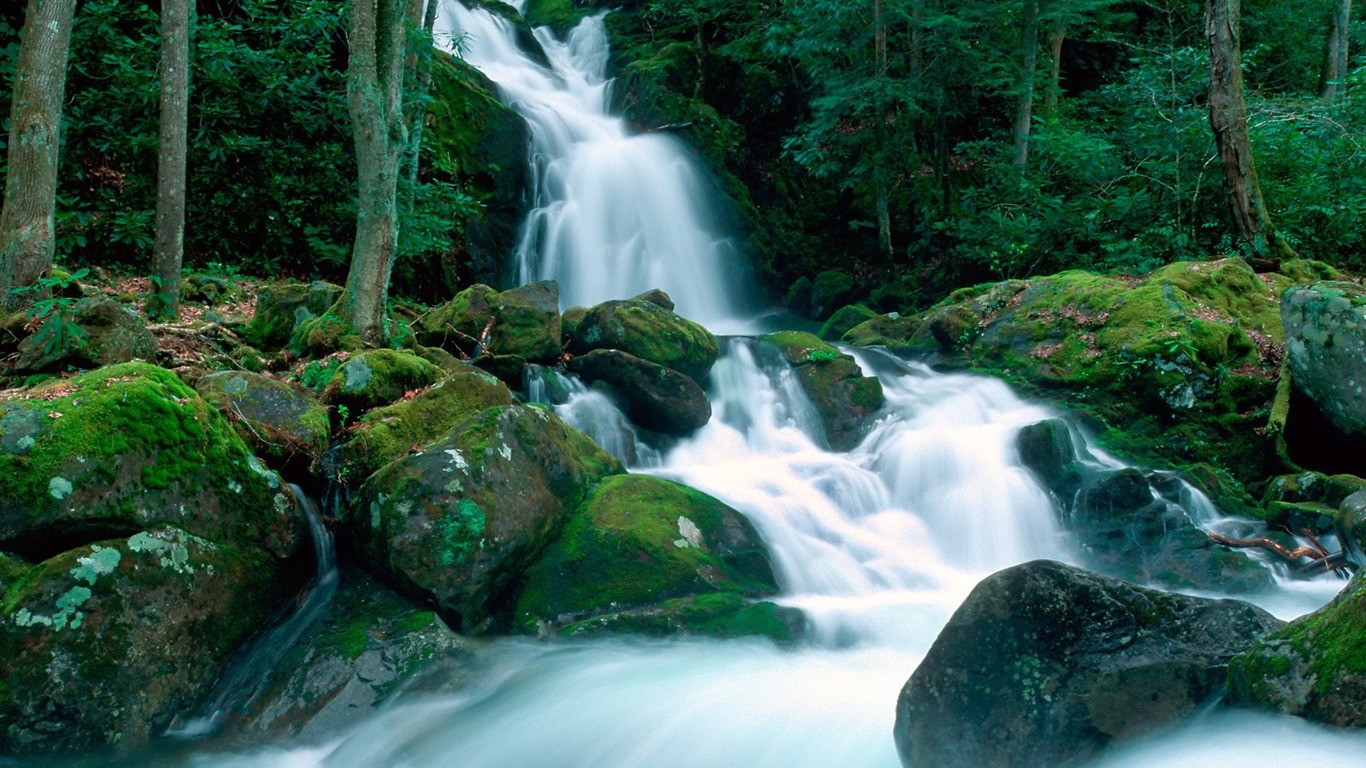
<point>613,214</point>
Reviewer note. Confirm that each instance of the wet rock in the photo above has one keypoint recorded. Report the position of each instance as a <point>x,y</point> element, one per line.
<point>843,319</point>
<point>126,448</point>
<point>523,322</point>
<point>1325,329</point>
<point>1314,667</point>
<point>1045,664</point>
<point>654,397</point>
<point>637,541</point>
<point>454,525</point>
<point>282,422</point>
<point>105,644</point>
<point>649,331</point>
<point>378,377</point>
<point>830,290</point>
<point>718,614</point>
<point>93,332</point>
<point>282,307</point>
<point>1047,450</point>
<point>843,397</point>
<point>393,431</point>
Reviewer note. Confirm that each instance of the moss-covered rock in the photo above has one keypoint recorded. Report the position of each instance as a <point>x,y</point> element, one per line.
<point>393,431</point>
<point>1315,667</point>
<point>1181,365</point>
<point>282,307</point>
<point>1325,326</point>
<point>378,377</point>
<point>454,525</point>
<point>844,319</point>
<point>107,643</point>
<point>718,614</point>
<point>125,448</point>
<point>522,322</point>
<point>829,291</point>
<point>637,541</point>
<point>654,397</point>
<point>323,335</point>
<point>279,420</point>
<point>843,397</point>
<point>97,331</point>
<point>371,644</point>
<point>649,331</point>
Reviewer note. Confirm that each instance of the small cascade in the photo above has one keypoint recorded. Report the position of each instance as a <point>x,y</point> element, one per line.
<point>613,214</point>
<point>248,675</point>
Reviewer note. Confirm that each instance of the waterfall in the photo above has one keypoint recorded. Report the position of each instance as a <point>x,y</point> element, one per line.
<point>613,214</point>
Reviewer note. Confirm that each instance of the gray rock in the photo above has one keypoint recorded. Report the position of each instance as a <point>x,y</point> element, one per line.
<point>97,331</point>
<point>654,397</point>
<point>1046,664</point>
<point>1325,330</point>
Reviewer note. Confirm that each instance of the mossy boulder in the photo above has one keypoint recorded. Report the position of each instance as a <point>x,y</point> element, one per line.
<point>829,291</point>
<point>638,541</point>
<point>378,377</point>
<point>522,322</point>
<point>125,448</point>
<point>371,643</point>
<point>1181,365</point>
<point>1315,667</point>
<point>106,643</point>
<point>323,335</point>
<point>654,397</point>
<point>455,525</point>
<point>844,319</point>
<point>105,333</point>
<point>643,328</point>
<point>393,431</point>
<point>1046,664</point>
<point>717,614</point>
<point>843,397</point>
<point>282,307</point>
<point>1325,327</point>
<point>1047,449</point>
<point>282,422</point>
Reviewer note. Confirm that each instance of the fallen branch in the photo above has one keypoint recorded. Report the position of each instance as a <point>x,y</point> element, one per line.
<point>1280,550</point>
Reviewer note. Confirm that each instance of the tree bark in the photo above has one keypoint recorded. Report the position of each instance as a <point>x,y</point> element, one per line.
<point>28,219</point>
<point>171,152</point>
<point>374,91</point>
<point>880,161</point>
<point>1057,35</point>
<point>1024,103</point>
<point>1228,118</point>
<point>420,64</point>
<point>1335,52</point>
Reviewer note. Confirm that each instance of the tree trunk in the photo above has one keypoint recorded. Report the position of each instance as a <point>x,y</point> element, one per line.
<point>171,151</point>
<point>1024,104</point>
<point>1228,118</point>
<point>420,64</point>
<point>28,221</point>
<point>1335,53</point>
<point>374,91</point>
<point>884,215</point>
<point>1057,34</point>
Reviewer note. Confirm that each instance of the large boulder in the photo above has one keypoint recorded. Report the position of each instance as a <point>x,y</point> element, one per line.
<point>393,431</point>
<point>281,421</point>
<point>648,330</point>
<point>126,448</point>
<point>638,541</point>
<point>1315,667</point>
<point>282,307</point>
<point>454,525</point>
<point>1046,664</point>
<point>1325,330</point>
<point>654,397</point>
<point>843,397</point>
<point>378,377</point>
<point>93,332</point>
<point>523,322</point>
<point>108,642</point>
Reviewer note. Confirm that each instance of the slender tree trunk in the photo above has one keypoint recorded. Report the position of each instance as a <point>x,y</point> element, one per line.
<point>374,91</point>
<point>171,153</point>
<point>1057,34</point>
<point>1228,118</point>
<point>28,219</point>
<point>1024,104</point>
<point>1335,53</point>
<point>420,64</point>
<point>884,215</point>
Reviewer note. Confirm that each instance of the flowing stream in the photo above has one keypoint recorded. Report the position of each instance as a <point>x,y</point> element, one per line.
<point>877,545</point>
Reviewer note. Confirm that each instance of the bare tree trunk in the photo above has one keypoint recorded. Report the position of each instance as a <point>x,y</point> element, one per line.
<point>1335,53</point>
<point>1228,118</point>
<point>171,152</point>
<point>420,64</point>
<point>884,215</point>
<point>1024,104</point>
<point>28,220</point>
<point>1057,34</point>
<point>374,91</point>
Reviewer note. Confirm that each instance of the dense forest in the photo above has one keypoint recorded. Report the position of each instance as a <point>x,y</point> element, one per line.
<point>912,145</point>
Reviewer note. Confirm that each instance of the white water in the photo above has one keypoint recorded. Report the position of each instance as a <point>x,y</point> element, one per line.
<point>613,214</point>
<point>877,546</point>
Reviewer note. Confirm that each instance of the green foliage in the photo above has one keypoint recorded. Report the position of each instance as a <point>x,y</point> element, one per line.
<point>57,333</point>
